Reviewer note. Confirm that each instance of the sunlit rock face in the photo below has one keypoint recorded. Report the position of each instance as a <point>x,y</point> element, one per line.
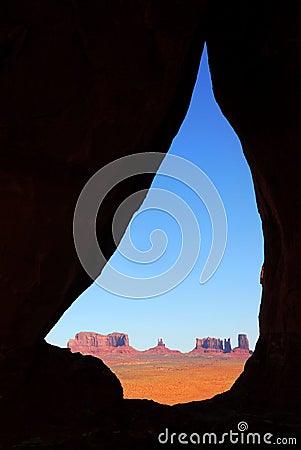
<point>88,343</point>
<point>88,339</point>
<point>209,344</point>
<point>83,83</point>
<point>243,342</point>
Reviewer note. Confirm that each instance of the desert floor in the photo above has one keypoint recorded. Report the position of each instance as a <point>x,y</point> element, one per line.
<point>175,379</point>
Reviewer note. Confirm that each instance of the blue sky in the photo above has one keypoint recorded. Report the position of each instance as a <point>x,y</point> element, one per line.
<point>228,303</point>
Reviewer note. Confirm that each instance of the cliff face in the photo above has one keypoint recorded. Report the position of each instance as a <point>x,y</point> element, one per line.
<point>227,345</point>
<point>243,342</point>
<point>209,344</point>
<point>255,65</point>
<point>243,345</point>
<point>97,344</point>
<point>101,345</point>
<point>216,345</point>
<point>82,83</point>
<point>99,340</point>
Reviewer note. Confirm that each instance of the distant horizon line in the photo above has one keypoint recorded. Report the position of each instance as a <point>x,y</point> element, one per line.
<point>223,344</point>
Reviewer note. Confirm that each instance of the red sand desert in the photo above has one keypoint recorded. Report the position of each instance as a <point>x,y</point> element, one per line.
<point>175,379</point>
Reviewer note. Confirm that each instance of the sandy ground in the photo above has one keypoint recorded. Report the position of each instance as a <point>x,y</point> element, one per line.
<point>173,379</point>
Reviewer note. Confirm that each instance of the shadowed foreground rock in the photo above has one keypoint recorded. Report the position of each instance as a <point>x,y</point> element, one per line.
<point>256,71</point>
<point>81,84</point>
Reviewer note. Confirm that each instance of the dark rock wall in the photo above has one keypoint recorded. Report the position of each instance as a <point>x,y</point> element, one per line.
<point>83,83</point>
<point>254,56</point>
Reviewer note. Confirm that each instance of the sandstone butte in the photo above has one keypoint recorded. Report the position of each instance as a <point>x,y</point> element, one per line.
<point>95,344</point>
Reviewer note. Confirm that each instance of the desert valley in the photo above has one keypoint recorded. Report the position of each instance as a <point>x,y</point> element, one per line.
<point>165,375</point>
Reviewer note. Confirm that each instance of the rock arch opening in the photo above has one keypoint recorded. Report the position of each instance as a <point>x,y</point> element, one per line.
<point>78,78</point>
<point>226,307</point>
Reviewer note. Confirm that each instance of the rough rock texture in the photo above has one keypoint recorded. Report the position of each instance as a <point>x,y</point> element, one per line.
<point>100,345</point>
<point>160,349</point>
<point>77,92</point>
<point>243,345</point>
<point>99,340</point>
<point>82,83</point>
<point>209,344</point>
<point>60,388</point>
<point>243,342</point>
<point>227,345</point>
<point>216,345</point>
<point>254,56</point>
<point>96,344</point>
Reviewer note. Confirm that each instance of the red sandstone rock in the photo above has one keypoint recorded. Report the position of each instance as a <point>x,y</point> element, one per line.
<point>243,342</point>
<point>243,348</point>
<point>96,344</point>
<point>209,344</point>
<point>240,351</point>
<point>227,345</point>
<point>215,345</point>
<point>161,349</point>
<point>100,345</point>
